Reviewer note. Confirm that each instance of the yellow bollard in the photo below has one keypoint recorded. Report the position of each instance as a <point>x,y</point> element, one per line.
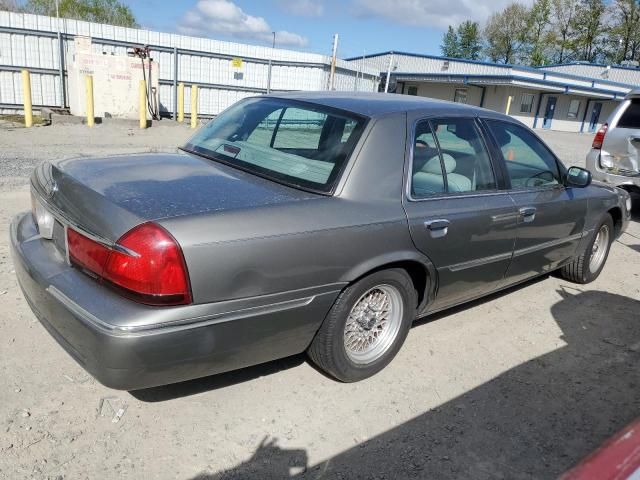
<point>509,100</point>
<point>88,80</point>
<point>194,106</point>
<point>181,102</point>
<point>142,104</point>
<point>26,95</point>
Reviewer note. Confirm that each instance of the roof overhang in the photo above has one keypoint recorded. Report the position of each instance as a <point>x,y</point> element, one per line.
<point>515,80</point>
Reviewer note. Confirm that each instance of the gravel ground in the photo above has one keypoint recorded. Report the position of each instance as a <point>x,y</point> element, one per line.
<point>520,385</point>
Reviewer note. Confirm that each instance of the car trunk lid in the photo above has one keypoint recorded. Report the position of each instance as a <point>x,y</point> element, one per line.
<point>108,196</point>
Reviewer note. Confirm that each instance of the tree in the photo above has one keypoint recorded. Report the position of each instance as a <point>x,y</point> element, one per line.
<point>469,41</point>
<point>564,12</point>
<point>449,46</point>
<point>9,5</point>
<point>588,30</point>
<point>112,12</point>
<point>624,35</point>
<point>539,21</point>
<point>506,32</point>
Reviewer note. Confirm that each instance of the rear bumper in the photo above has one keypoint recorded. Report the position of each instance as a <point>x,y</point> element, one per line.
<point>607,176</point>
<point>128,346</point>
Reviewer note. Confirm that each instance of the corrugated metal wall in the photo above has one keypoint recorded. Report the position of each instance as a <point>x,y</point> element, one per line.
<point>630,76</point>
<point>30,41</point>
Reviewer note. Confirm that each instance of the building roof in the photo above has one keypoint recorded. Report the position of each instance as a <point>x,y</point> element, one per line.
<point>418,67</point>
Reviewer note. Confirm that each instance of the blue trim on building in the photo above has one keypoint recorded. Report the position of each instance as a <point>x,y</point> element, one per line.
<point>491,64</point>
<point>587,64</point>
<point>507,79</point>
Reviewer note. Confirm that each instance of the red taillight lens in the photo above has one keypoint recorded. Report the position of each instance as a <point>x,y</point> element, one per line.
<point>87,253</point>
<point>150,267</point>
<point>599,138</point>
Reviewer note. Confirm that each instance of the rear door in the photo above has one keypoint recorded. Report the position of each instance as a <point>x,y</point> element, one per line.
<point>622,141</point>
<point>550,215</point>
<point>458,214</point>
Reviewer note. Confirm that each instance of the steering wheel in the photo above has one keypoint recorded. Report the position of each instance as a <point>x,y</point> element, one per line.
<point>537,180</point>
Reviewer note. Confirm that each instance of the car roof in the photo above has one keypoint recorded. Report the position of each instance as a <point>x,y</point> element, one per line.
<point>373,104</point>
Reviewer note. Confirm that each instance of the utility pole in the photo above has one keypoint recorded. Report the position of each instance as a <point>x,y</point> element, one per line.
<point>274,40</point>
<point>332,75</point>
<point>386,83</point>
<point>61,58</point>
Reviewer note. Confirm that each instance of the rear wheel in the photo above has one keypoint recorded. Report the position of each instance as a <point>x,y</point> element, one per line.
<point>587,266</point>
<point>366,326</point>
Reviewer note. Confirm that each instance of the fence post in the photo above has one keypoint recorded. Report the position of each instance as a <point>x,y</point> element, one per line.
<point>175,83</point>
<point>269,77</point>
<point>88,79</point>
<point>142,104</point>
<point>194,106</point>
<point>63,82</point>
<point>26,98</point>
<point>181,102</point>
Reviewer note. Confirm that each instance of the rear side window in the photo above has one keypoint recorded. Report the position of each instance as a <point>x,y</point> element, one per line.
<point>631,116</point>
<point>450,156</point>
<point>529,163</point>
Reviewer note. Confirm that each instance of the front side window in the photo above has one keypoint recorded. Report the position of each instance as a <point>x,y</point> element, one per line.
<point>529,163</point>
<point>291,142</point>
<point>450,156</point>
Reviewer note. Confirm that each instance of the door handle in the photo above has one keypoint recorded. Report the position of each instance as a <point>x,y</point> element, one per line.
<point>437,228</point>
<point>528,214</point>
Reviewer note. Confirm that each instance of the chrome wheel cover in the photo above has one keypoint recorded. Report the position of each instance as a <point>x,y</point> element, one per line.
<point>373,324</point>
<point>599,249</point>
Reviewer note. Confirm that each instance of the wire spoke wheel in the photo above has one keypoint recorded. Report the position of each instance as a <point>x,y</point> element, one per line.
<point>373,324</point>
<point>599,248</point>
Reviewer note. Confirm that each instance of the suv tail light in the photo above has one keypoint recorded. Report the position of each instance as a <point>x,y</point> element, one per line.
<point>147,265</point>
<point>598,140</point>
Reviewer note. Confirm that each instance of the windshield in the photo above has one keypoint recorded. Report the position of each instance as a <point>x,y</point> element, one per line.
<point>292,142</point>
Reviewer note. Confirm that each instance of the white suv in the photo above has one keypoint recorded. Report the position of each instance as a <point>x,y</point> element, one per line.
<point>615,154</point>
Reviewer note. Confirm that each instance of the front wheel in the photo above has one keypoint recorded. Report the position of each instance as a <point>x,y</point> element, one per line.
<point>587,266</point>
<point>366,326</point>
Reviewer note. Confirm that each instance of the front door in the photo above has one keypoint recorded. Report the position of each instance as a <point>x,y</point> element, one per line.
<point>595,117</point>
<point>550,216</point>
<point>457,214</point>
<point>549,111</point>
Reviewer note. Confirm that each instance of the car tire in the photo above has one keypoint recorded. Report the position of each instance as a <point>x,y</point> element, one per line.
<point>586,267</point>
<point>366,326</point>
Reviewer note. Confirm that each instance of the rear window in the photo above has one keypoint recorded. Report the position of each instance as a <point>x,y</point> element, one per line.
<point>295,143</point>
<point>631,116</point>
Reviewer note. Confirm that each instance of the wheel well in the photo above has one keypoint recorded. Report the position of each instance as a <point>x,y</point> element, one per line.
<point>416,271</point>
<point>616,215</point>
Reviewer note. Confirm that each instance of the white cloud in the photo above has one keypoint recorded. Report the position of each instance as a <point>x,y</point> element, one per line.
<point>430,13</point>
<point>302,8</point>
<point>223,17</point>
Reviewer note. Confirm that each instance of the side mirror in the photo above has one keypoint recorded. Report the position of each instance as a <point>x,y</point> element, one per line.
<point>577,177</point>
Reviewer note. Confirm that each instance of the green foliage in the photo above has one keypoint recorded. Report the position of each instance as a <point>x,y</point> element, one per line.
<point>557,31</point>
<point>506,34</point>
<point>469,40</point>
<point>112,12</point>
<point>450,46</point>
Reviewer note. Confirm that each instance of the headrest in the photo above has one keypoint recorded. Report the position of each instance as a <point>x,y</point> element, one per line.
<point>433,165</point>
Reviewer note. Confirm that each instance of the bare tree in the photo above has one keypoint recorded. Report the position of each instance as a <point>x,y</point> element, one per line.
<point>625,30</point>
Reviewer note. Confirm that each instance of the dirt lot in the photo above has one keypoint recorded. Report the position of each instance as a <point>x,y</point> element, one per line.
<point>521,385</point>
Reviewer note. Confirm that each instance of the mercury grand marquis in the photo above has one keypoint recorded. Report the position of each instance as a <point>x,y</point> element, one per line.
<point>318,222</point>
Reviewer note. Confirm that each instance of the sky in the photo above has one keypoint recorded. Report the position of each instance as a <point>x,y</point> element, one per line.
<point>364,26</point>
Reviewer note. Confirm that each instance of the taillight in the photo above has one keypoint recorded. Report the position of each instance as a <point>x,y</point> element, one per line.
<point>599,138</point>
<point>147,265</point>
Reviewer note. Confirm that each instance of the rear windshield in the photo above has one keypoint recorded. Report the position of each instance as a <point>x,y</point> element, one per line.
<point>631,116</point>
<point>295,143</point>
